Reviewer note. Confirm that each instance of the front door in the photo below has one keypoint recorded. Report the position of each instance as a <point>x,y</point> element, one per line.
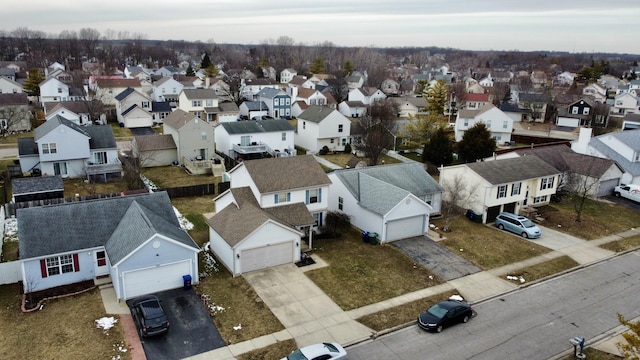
<point>101,263</point>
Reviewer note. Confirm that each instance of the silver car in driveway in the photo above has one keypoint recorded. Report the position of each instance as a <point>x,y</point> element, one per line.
<point>517,224</point>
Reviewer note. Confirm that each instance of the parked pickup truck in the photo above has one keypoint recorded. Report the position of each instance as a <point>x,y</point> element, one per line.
<point>631,192</point>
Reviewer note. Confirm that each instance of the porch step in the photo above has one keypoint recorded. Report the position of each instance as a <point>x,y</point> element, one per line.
<point>103,282</point>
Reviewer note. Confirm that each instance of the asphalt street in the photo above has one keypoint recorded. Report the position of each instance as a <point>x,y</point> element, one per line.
<point>535,322</point>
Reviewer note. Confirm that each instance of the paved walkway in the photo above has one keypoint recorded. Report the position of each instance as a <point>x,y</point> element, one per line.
<point>310,316</point>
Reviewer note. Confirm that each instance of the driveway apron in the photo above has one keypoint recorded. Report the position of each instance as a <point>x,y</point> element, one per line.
<point>436,258</point>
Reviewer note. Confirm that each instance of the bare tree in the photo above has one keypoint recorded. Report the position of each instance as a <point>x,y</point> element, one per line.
<point>582,179</point>
<point>336,220</point>
<point>379,129</point>
<point>456,194</point>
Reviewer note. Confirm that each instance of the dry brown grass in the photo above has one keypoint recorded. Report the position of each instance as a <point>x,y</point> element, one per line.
<point>487,247</point>
<point>79,186</point>
<point>547,268</point>
<point>623,244</point>
<point>361,274</point>
<point>595,354</point>
<point>398,315</point>
<point>64,329</point>
<point>193,209</point>
<point>275,351</point>
<point>599,218</point>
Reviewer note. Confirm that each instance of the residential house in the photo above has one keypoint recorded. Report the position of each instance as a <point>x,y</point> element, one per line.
<point>491,187</point>
<point>253,110</point>
<point>15,112</point>
<point>410,106</point>
<point>9,74</point>
<point>486,81</point>
<point>631,122</point>
<point>136,240</point>
<point>597,91</point>
<point>623,147</point>
<point>473,101</point>
<point>535,105</point>
<point>319,126</point>
<point>394,201</point>
<point>354,82</point>
<point>514,112</point>
<point>588,174</point>
<point>8,86</point>
<point>310,96</point>
<point>194,137</point>
<point>277,101</point>
<point>221,88</point>
<point>60,147</point>
<point>624,104</point>
<point>287,75</point>
<point>565,78</point>
<point>133,109</point>
<point>108,89</point>
<point>166,89</point>
<point>255,139</point>
<point>272,203</point>
<point>251,87</point>
<point>577,114</point>
<point>159,111</point>
<point>539,79</point>
<point>368,95</point>
<point>227,111</point>
<point>475,88</point>
<point>54,90</point>
<point>154,150</point>
<point>78,112</point>
<point>298,82</point>
<point>354,109</point>
<point>390,87</point>
<point>497,122</point>
<point>202,103</point>
<point>320,78</point>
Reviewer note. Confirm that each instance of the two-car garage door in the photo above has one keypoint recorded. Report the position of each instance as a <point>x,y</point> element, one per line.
<point>405,228</point>
<point>154,279</point>
<point>266,256</point>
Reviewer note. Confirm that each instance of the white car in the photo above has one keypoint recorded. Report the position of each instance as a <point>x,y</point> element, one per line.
<point>321,351</point>
<point>631,192</point>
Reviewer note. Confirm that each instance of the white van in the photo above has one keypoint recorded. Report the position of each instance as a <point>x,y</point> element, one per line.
<point>631,192</point>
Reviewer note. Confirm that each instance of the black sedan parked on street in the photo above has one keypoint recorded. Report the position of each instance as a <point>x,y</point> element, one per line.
<point>149,316</point>
<point>445,313</point>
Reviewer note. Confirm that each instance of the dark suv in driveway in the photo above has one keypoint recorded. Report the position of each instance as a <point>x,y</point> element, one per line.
<point>149,316</point>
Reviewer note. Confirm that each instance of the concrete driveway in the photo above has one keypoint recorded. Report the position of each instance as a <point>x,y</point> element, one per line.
<point>436,258</point>
<point>192,330</point>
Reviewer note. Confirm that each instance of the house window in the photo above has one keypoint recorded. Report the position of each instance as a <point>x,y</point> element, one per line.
<point>101,257</point>
<point>539,199</point>
<point>245,140</point>
<point>304,125</point>
<point>203,135</point>
<point>314,196</point>
<point>209,102</point>
<point>466,122</point>
<point>502,191</point>
<point>100,157</point>
<point>145,104</point>
<point>60,168</point>
<point>637,157</point>
<point>59,90</point>
<point>515,189</point>
<point>282,197</point>
<point>428,199</point>
<point>505,124</point>
<point>284,136</point>
<point>317,217</point>
<point>574,110</point>
<point>196,103</point>
<point>340,203</point>
<point>59,265</point>
<point>288,101</point>
<point>488,124</point>
<point>340,127</point>
<point>547,183</point>
<point>585,111</point>
<point>332,140</point>
<point>49,148</point>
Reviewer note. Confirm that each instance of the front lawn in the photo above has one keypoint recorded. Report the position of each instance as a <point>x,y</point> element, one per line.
<point>544,269</point>
<point>487,247</point>
<point>623,244</point>
<point>360,274</point>
<point>65,328</point>
<point>278,350</point>
<point>175,176</point>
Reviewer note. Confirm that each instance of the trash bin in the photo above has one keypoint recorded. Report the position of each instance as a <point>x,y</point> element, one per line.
<point>470,214</point>
<point>373,238</point>
<point>186,279</point>
<point>365,237</point>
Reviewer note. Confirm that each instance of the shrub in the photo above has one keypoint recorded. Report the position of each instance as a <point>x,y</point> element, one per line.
<point>347,149</point>
<point>324,150</point>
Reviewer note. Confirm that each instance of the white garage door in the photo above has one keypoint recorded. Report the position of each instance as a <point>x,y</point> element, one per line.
<point>150,280</point>
<point>405,228</point>
<point>266,256</point>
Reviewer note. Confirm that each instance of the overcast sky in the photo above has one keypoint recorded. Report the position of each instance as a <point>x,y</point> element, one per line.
<point>565,25</point>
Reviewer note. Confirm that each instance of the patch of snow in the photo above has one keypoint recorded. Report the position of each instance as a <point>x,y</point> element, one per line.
<point>106,323</point>
<point>456,297</point>
<point>11,229</point>
<point>184,223</point>
<point>461,249</point>
<point>239,327</point>
<point>148,183</point>
<point>515,278</point>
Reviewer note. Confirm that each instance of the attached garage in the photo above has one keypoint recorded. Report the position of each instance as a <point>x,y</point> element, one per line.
<point>607,186</point>
<point>405,228</point>
<point>155,279</point>
<point>266,256</point>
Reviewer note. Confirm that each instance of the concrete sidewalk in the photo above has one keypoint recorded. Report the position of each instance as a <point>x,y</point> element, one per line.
<point>310,316</point>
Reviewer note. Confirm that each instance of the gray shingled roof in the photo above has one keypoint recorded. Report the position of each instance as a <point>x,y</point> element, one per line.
<point>315,113</point>
<point>255,105</point>
<point>511,170</point>
<point>154,142</point>
<point>409,178</point>
<point>630,138</point>
<point>80,225</point>
<point>124,93</point>
<point>178,118</point>
<point>53,123</point>
<point>563,158</point>
<point>31,185</point>
<point>277,174</point>
<point>14,99</point>
<point>252,127</point>
<point>27,146</point>
<point>101,137</point>
<point>270,93</point>
<point>200,94</point>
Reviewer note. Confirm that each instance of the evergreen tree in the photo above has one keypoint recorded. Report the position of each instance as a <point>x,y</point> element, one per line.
<point>318,66</point>
<point>436,96</point>
<point>206,62</point>
<point>347,68</point>
<point>32,83</point>
<point>476,143</point>
<point>439,150</point>
<point>190,71</point>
